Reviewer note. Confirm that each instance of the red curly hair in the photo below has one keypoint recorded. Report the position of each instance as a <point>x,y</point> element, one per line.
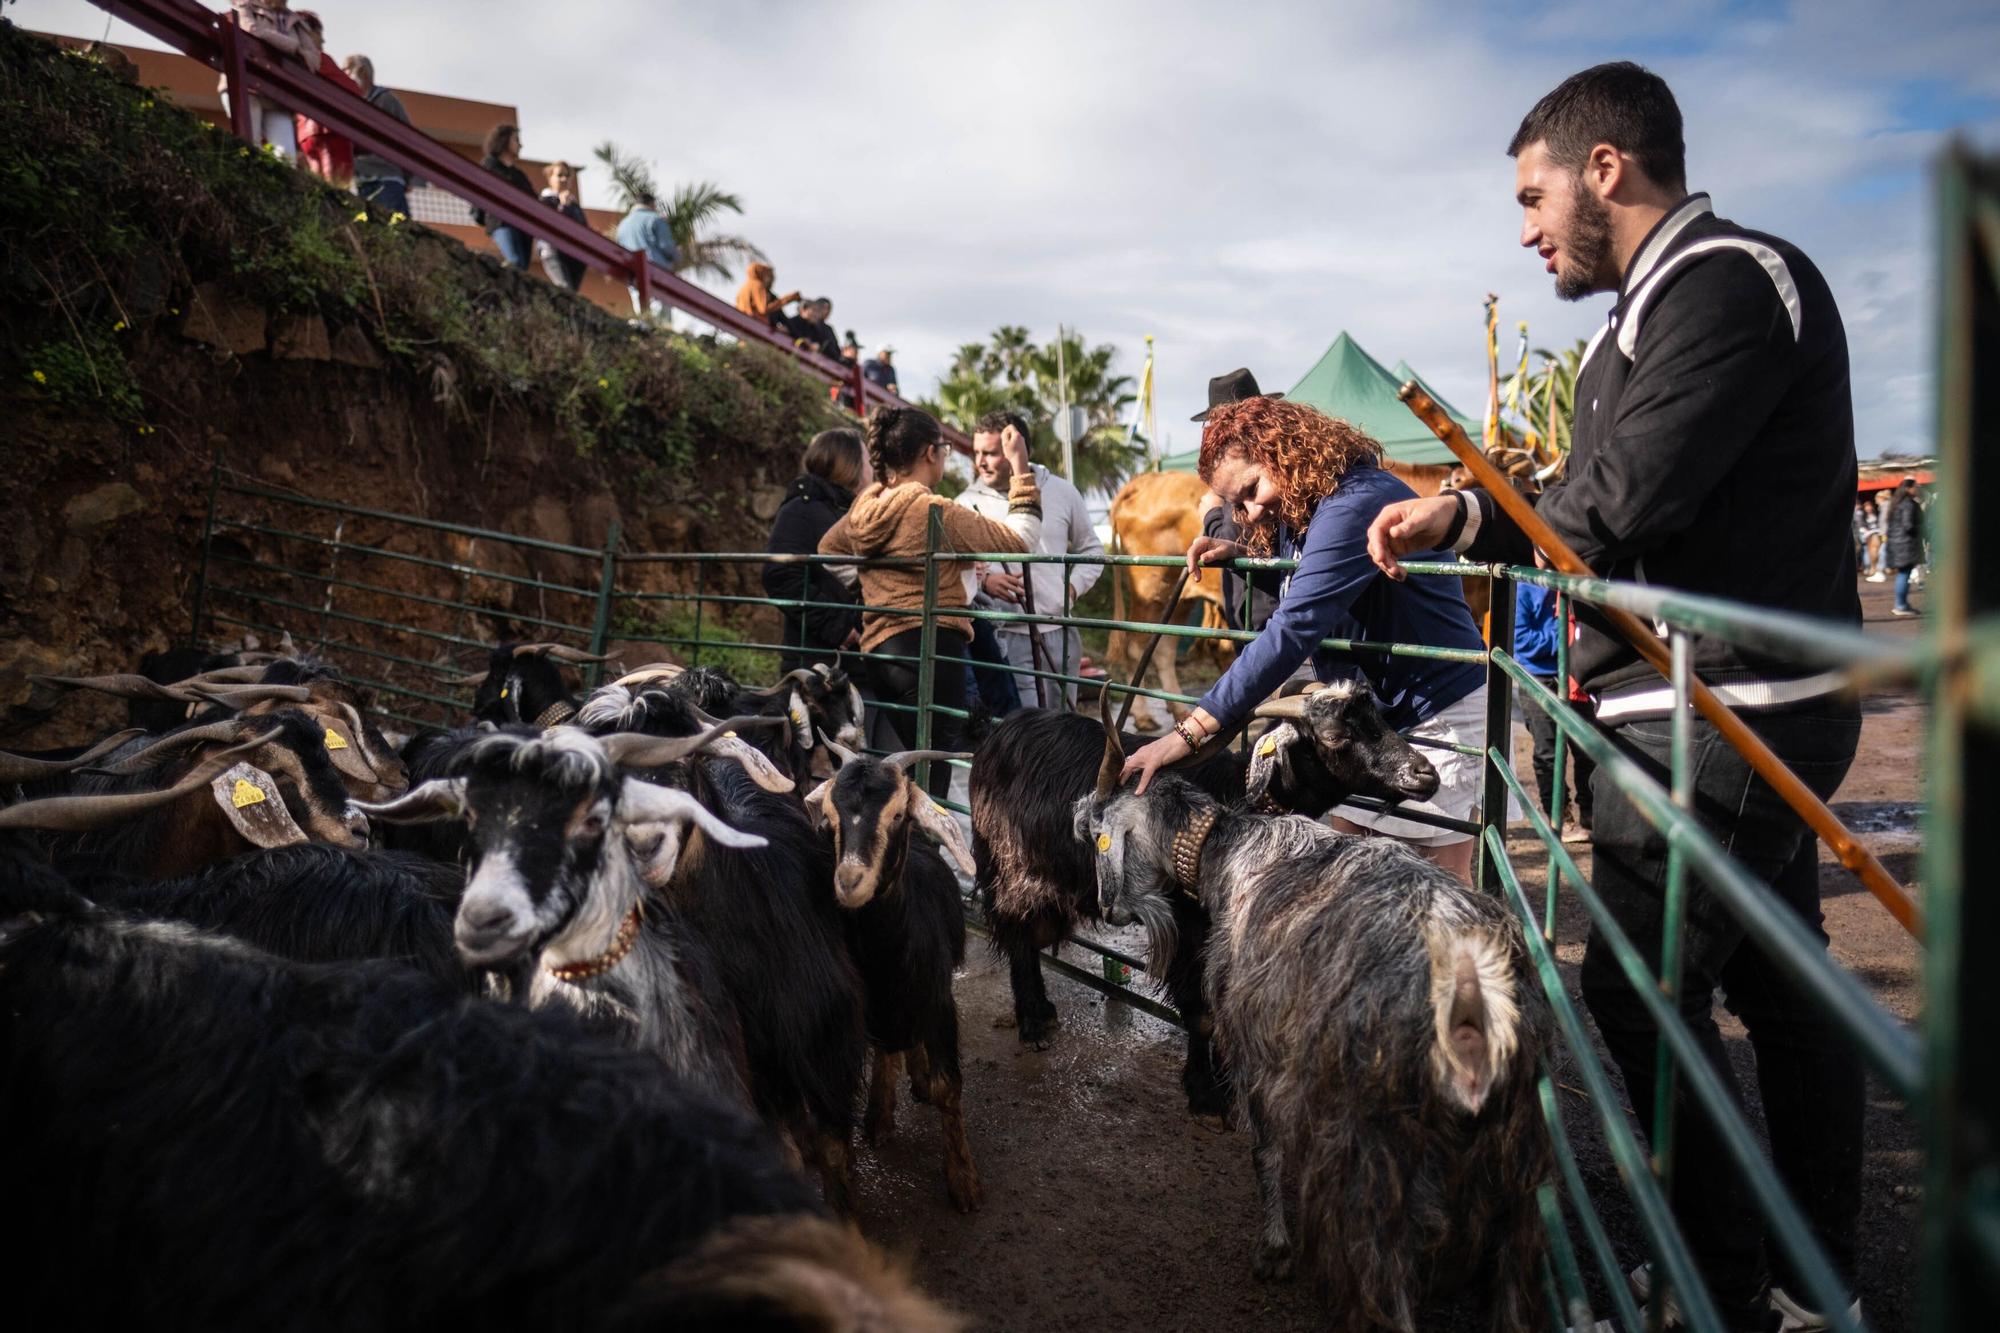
<point>1302,450</point>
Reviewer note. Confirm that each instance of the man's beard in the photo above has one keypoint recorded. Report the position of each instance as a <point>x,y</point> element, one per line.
<point>1587,250</point>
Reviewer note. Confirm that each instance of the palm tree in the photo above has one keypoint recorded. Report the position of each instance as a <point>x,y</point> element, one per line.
<point>1010,370</point>
<point>1549,399</point>
<point>689,211</point>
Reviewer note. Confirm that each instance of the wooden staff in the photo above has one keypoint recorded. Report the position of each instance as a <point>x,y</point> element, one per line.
<point>1748,743</point>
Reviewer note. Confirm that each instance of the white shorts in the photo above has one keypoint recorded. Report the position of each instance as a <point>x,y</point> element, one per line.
<point>1459,775</point>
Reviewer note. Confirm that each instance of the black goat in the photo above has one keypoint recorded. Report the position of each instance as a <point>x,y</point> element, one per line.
<point>906,932</point>
<point>821,703</point>
<point>313,903</point>
<point>1035,882</point>
<point>524,685</point>
<point>217,1138</point>
<point>565,847</point>
<point>282,788</point>
<point>1383,1030</point>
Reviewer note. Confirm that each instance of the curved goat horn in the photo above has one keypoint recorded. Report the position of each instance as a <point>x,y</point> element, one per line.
<point>649,673</point>
<point>800,676</point>
<point>240,697</point>
<point>904,758</point>
<point>80,814</point>
<point>249,674</point>
<point>1110,771</point>
<point>122,686</point>
<point>636,749</point>
<point>229,729</point>
<point>28,768</point>
<point>476,678</point>
<point>562,652</point>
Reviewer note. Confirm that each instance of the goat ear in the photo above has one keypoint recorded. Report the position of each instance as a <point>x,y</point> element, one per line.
<point>936,821</point>
<point>440,798</point>
<point>816,804</point>
<point>802,727</point>
<point>251,800</point>
<point>644,803</point>
<point>1270,756</point>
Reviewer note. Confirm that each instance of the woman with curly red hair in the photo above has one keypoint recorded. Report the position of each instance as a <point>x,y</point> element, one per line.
<point>1306,485</point>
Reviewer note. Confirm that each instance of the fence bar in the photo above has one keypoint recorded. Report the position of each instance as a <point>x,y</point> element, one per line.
<point>451,566</point>
<point>927,644</point>
<point>399,595</point>
<point>1666,1085</point>
<point>1499,720</point>
<point>602,622</point>
<point>1586,1208</point>
<point>214,485</point>
<point>1558,789</point>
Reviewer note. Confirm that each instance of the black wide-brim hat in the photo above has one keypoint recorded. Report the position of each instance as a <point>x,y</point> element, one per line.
<point>1235,387</point>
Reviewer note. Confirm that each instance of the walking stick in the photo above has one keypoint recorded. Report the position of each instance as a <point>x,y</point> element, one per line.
<point>1734,729</point>
<point>1146,658</point>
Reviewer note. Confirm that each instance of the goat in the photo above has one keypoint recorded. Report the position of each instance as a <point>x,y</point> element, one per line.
<point>1382,1029</point>
<point>523,685</point>
<point>315,903</point>
<point>216,1137</point>
<point>821,703</point>
<point>284,789</point>
<point>1035,883</point>
<point>563,847</point>
<point>906,932</point>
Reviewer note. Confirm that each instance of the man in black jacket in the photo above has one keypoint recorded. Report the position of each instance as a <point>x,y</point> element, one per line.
<point>1713,451</point>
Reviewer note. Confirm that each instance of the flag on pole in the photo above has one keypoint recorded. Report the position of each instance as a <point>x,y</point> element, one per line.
<point>1492,431</point>
<point>1520,379</point>
<point>1143,418</point>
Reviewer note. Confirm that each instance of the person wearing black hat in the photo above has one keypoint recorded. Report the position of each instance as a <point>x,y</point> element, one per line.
<point>1234,387</point>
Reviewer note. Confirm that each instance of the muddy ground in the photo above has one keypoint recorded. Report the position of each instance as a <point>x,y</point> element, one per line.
<point>1108,1207</point>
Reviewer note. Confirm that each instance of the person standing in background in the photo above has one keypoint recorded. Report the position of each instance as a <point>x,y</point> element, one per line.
<point>881,369</point>
<point>834,468</point>
<point>1903,548</point>
<point>643,229</point>
<point>503,157</point>
<point>1873,516</point>
<point>326,152</point>
<point>277,27</point>
<point>565,271</point>
<point>756,299</point>
<point>1066,530</point>
<point>377,179</point>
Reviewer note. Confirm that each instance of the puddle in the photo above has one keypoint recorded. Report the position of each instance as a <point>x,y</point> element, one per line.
<point>1903,817</point>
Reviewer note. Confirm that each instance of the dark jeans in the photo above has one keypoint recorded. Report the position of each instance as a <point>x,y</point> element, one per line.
<point>897,682</point>
<point>995,682</point>
<point>516,246</point>
<point>1542,731</point>
<point>1808,1075</point>
<point>391,195</point>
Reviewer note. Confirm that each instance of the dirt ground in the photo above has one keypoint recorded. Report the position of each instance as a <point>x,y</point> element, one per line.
<point>1108,1207</point>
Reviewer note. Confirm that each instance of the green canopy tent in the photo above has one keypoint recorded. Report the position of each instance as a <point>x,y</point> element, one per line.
<point>1348,383</point>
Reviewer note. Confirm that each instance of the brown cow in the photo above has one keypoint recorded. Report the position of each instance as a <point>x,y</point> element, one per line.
<point>1428,479</point>
<point>1158,513</point>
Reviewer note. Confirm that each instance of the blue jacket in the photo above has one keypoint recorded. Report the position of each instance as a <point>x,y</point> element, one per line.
<point>1536,636</point>
<point>1337,592</point>
<point>643,229</point>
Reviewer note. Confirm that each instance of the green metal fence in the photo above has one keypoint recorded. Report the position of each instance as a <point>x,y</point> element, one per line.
<point>395,599</point>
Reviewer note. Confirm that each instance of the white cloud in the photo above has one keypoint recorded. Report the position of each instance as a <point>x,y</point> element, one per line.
<point>1242,181</point>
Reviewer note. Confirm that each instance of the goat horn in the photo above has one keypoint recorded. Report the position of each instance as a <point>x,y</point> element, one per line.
<point>847,756</point>
<point>1289,708</point>
<point>239,697</point>
<point>1111,771</point>
<point>476,678</point>
<point>574,656</point>
<point>236,675</point>
<point>81,814</point>
<point>800,676</point>
<point>636,749</point>
<point>229,729</point>
<point>122,686</point>
<point>649,673</point>
<point>904,758</point>
<point>360,728</point>
<point>27,768</point>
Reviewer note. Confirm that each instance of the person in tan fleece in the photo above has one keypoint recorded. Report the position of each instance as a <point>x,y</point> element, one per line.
<point>892,518</point>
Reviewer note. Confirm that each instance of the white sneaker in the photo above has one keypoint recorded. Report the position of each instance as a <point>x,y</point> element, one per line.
<point>1878,578</point>
<point>1795,1318</point>
<point>1640,1280</point>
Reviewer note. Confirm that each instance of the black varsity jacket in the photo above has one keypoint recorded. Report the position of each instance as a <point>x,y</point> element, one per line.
<point>1713,451</point>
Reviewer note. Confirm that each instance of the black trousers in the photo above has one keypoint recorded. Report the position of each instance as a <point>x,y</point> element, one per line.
<point>896,683</point>
<point>1542,731</point>
<point>1808,1075</point>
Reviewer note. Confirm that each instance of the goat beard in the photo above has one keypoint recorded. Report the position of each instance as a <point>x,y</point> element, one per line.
<point>1156,918</point>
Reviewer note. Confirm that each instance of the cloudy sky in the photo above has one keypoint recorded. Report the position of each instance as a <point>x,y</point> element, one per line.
<point>1241,180</point>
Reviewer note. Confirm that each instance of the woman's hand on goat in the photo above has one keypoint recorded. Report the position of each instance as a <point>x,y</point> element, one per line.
<point>1212,551</point>
<point>1150,759</point>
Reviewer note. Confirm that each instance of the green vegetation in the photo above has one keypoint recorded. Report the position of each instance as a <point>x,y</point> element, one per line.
<point>1012,371</point>
<point>115,205</point>
<point>676,620</point>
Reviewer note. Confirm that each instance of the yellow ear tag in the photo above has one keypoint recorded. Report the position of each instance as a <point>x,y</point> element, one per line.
<point>1104,842</point>
<point>1268,746</point>
<point>503,691</point>
<point>245,792</point>
<point>798,717</point>
<point>333,740</point>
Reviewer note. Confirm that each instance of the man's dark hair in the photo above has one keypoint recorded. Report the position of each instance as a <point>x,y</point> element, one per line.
<point>999,419</point>
<point>499,137</point>
<point>647,201</point>
<point>1622,104</point>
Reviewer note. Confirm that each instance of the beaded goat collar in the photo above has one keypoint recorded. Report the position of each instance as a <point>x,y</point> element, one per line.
<point>621,944</point>
<point>1187,850</point>
<point>555,715</point>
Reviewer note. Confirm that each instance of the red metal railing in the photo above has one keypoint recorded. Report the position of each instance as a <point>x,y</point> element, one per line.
<point>253,70</point>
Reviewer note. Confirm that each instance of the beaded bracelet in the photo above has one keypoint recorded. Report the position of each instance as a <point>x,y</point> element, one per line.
<point>1186,733</point>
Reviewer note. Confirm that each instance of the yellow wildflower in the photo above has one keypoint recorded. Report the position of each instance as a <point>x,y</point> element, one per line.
<point>603,383</point>
<point>40,378</point>
<point>394,218</point>
<point>119,327</point>
<point>362,216</point>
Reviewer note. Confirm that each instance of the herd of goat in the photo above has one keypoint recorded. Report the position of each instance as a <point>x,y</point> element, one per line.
<point>552,1016</point>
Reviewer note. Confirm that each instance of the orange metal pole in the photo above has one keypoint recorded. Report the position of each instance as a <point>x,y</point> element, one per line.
<point>1748,743</point>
